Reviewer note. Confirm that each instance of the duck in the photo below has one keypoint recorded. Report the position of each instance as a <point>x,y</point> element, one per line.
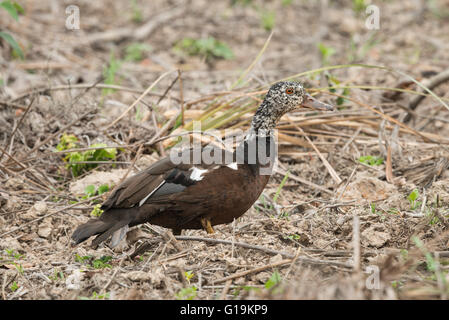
<point>190,194</point>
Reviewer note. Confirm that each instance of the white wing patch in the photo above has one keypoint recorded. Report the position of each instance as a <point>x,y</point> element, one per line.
<point>197,174</point>
<point>233,166</point>
<point>141,202</point>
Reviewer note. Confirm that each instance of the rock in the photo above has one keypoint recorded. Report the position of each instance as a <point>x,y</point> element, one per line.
<point>44,230</point>
<point>154,276</point>
<point>364,187</point>
<point>73,281</point>
<point>38,209</point>
<point>11,244</point>
<point>374,237</point>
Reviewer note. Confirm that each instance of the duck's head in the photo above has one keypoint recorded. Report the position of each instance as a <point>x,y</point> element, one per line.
<point>283,97</point>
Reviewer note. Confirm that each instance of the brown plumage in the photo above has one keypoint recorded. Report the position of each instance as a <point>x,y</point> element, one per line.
<point>197,196</point>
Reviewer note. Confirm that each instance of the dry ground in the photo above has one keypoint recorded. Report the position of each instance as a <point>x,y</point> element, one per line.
<point>335,221</point>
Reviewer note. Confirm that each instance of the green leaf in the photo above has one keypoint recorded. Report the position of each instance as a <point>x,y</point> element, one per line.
<point>90,190</point>
<point>274,280</point>
<point>103,188</point>
<point>15,46</point>
<point>413,195</point>
<point>11,8</point>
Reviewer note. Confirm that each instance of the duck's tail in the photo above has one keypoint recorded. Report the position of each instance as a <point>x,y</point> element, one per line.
<point>112,222</point>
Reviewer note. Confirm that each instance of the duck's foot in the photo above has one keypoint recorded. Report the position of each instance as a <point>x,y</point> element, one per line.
<point>206,225</point>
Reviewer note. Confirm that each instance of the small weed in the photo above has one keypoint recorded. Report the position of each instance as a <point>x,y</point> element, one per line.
<point>11,253</point>
<point>371,160</point>
<point>96,296</point>
<point>286,3</point>
<point>359,6</point>
<point>274,280</point>
<point>189,275</point>
<point>57,275</point>
<point>14,286</point>
<point>109,73</point>
<point>412,197</point>
<point>82,259</point>
<point>136,12</point>
<point>326,52</point>
<point>102,262</point>
<point>292,237</point>
<point>268,19</point>
<point>90,190</point>
<point>135,51</point>
<point>96,211</point>
<point>14,9</point>
<point>209,48</point>
<point>281,185</point>
<point>187,293</point>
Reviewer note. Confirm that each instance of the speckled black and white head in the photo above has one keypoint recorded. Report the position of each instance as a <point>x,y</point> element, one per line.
<point>283,97</point>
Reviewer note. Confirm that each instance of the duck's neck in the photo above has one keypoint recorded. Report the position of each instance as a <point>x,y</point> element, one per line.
<point>258,150</point>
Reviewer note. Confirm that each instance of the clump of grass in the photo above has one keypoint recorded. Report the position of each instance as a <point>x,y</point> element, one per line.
<point>109,73</point>
<point>208,48</point>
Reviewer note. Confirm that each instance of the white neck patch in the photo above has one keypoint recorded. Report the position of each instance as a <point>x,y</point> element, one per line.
<point>197,174</point>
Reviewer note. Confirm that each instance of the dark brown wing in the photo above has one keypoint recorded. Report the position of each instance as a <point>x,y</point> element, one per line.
<point>157,181</point>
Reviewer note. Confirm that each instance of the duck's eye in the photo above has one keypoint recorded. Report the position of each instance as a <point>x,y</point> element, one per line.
<point>289,91</point>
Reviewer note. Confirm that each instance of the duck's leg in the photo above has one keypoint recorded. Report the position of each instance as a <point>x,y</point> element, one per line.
<point>206,225</point>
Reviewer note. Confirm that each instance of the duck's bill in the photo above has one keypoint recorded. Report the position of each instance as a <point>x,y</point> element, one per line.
<point>312,103</point>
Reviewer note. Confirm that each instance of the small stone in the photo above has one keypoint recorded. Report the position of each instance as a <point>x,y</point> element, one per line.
<point>373,237</point>
<point>44,230</point>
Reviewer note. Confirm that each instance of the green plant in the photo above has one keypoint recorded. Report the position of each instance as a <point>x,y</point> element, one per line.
<point>82,259</point>
<point>14,286</point>
<point>326,52</point>
<point>78,162</point>
<point>187,293</point>
<point>371,160</point>
<point>189,275</point>
<point>102,262</point>
<point>96,211</point>
<point>286,3</point>
<point>268,19</point>
<point>274,280</point>
<point>335,82</point>
<point>358,6</point>
<point>91,191</point>
<point>412,197</point>
<point>209,48</point>
<point>281,185</point>
<point>135,51</point>
<point>109,73</point>
<point>13,8</point>
<point>96,296</point>
<point>136,12</point>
